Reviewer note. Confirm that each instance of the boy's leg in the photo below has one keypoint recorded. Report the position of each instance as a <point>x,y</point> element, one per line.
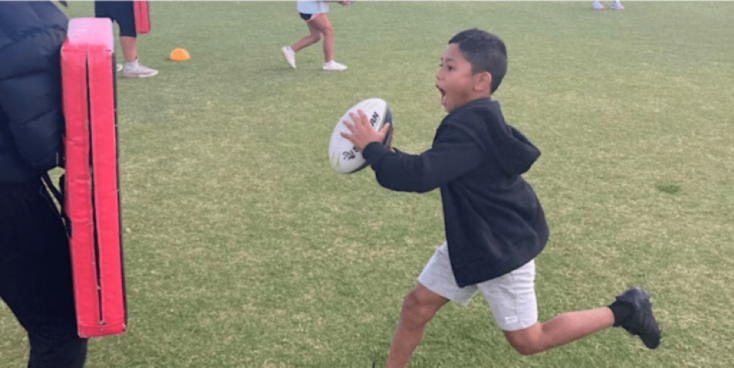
<point>560,330</point>
<point>512,301</point>
<point>632,310</point>
<point>436,286</point>
<point>511,298</point>
<point>419,307</point>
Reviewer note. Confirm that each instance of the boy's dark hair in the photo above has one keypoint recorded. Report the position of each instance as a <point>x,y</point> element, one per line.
<point>485,52</point>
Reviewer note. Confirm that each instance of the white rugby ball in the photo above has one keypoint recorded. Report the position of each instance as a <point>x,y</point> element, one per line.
<point>343,156</point>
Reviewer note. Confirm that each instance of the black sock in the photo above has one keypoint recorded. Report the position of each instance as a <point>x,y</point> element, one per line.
<point>622,312</point>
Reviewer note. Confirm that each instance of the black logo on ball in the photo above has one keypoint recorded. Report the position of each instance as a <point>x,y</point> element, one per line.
<point>349,155</point>
<point>373,120</point>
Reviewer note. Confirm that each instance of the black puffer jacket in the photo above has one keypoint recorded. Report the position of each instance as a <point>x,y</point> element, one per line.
<point>31,120</point>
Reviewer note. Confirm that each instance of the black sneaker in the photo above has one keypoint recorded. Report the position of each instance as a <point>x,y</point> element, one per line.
<point>642,323</point>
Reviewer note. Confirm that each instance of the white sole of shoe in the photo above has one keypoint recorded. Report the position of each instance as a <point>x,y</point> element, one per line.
<point>138,75</point>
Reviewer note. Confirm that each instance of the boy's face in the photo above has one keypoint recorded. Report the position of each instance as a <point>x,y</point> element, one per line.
<point>455,80</point>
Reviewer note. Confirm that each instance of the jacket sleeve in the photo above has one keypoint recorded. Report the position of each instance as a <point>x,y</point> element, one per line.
<point>453,154</point>
<point>30,93</point>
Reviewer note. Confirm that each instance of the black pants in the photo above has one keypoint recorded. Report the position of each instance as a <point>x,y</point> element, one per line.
<point>35,275</point>
<point>121,12</point>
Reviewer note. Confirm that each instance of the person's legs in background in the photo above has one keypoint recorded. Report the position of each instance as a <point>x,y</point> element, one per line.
<point>321,23</point>
<point>123,14</point>
<point>616,5</point>
<point>289,52</point>
<point>320,27</point>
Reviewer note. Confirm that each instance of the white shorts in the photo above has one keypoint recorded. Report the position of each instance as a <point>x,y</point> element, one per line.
<point>511,297</point>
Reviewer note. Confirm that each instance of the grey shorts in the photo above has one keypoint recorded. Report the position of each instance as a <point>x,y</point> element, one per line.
<point>511,297</point>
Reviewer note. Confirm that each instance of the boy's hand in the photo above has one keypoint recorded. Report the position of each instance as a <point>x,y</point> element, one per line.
<point>361,131</point>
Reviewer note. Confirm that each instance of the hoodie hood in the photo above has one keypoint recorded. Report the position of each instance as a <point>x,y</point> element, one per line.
<point>482,119</point>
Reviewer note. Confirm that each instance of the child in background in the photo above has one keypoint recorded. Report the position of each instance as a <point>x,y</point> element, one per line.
<point>314,13</point>
<point>616,5</point>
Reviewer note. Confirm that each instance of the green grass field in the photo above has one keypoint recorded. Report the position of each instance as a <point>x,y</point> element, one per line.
<point>244,248</point>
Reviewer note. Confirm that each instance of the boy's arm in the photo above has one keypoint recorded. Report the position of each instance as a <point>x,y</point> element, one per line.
<point>453,154</point>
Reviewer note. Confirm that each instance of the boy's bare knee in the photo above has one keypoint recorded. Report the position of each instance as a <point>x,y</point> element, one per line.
<point>413,307</point>
<point>525,347</point>
<point>527,341</point>
<point>418,309</point>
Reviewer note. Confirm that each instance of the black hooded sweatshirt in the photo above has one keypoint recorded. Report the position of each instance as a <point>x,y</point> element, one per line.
<point>493,220</point>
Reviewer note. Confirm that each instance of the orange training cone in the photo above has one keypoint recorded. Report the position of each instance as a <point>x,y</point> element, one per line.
<point>180,55</point>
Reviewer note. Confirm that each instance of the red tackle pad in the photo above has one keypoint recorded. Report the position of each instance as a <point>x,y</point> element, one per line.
<point>91,197</point>
<point>142,18</point>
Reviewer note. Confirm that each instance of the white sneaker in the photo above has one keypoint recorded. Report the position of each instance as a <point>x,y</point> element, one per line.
<point>616,5</point>
<point>119,67</point>
<point>138,71</point>
<point>333,65</point>
<point>290,56</point>
<point>596,5</point>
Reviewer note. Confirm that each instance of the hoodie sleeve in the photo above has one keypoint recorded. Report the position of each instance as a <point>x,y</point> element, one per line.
<point>453,154</point>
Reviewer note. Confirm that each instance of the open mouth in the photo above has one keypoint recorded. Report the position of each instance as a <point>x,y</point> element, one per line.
<point>443,95</point>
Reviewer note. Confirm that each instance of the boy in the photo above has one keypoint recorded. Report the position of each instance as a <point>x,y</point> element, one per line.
<point>494,224</point>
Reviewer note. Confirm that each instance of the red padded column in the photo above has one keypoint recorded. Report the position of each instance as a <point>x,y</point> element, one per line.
<point>91,199</point>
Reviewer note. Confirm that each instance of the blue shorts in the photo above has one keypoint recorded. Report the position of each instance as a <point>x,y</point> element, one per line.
<point>119,11</point>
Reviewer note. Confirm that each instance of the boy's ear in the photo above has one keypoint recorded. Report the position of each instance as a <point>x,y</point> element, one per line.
<point>483,82</point>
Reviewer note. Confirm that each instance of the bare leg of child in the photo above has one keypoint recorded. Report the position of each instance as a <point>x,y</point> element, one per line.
<point>560,330</point>
<point>309,40</point>
<point>322,24</point>
<point>419,307</point>
<point>632,310</point>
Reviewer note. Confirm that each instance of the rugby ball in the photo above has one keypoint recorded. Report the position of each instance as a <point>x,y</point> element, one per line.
<point>343,156</point>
